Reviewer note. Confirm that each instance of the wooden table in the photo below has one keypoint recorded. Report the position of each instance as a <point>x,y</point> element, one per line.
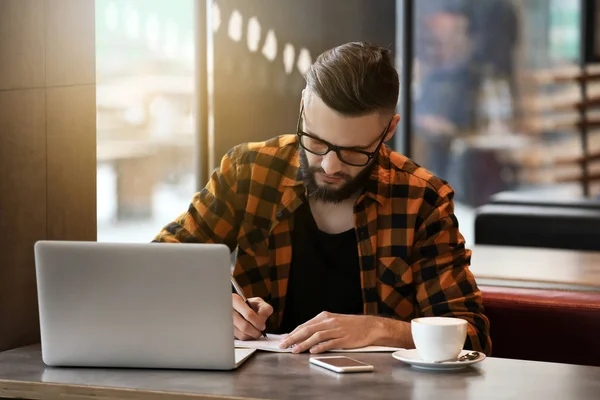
<point>282,376</point>
<point>536,268</point>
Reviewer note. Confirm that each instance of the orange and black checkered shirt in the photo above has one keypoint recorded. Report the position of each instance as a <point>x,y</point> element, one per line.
<point>413,259</point>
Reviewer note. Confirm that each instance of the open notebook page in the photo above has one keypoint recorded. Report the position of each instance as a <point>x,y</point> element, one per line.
<point>272,344</point>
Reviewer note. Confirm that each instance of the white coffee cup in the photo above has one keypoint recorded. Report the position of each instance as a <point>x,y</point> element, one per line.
<point>439,338</point>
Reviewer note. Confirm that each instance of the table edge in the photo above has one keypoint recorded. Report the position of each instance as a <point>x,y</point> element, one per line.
<point>15,389</point>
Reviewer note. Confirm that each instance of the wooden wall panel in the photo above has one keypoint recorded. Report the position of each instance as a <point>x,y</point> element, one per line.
<point>70,43</point>
<point>71,130</point>
<point>21,44</point>
<point>22,210</point>
<point>47,145</point>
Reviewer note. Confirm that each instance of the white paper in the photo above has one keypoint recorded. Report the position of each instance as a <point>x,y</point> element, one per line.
<point>269,344</point>
<point>272,344</point>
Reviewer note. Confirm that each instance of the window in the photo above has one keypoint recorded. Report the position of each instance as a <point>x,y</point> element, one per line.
<point>145,116</point>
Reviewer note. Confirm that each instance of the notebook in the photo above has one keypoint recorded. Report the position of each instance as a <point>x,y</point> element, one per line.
<point>272,344</point>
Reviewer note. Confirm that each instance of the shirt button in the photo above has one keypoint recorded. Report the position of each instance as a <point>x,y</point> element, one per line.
<point>279,214</point>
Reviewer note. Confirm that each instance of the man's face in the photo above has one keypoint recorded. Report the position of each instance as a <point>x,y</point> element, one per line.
<point>327,177</point>
<point>450,42</point>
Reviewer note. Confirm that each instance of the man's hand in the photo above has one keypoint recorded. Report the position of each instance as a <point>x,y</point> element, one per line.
<point>249,322</point>
<point>332,331</point>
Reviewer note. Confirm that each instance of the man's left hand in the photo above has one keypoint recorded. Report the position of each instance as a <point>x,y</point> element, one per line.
<point>332,331</point>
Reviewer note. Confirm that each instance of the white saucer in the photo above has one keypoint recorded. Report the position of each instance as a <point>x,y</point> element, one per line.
<point>412,357</point>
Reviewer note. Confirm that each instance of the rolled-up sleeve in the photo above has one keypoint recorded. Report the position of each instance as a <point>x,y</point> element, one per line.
<point>445,286</point>
<point>211,216</point>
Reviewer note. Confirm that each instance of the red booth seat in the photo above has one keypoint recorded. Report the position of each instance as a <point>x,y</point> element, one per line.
<point>544,325</point>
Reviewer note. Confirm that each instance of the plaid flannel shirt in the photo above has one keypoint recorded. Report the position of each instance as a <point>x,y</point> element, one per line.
<point>412,257</point>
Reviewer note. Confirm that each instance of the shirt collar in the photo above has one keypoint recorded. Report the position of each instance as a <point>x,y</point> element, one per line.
<point>378,184</point>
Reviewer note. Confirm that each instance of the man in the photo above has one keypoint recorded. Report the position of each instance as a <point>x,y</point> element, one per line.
<point>339,240</point>
<point>459,46</point>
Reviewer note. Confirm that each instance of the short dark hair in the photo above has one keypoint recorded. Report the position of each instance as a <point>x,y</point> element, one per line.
<point>354,79</point>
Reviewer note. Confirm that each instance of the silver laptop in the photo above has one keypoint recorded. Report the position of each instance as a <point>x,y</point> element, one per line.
<point>152,305</point>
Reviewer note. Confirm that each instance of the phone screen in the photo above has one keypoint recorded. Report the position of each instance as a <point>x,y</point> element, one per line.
<point>341,362</point>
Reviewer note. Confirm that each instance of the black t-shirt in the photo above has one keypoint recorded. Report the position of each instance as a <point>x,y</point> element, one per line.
<point>324,274</point>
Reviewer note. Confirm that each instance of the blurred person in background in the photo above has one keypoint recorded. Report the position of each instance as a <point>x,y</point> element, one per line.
<point>458,45</point>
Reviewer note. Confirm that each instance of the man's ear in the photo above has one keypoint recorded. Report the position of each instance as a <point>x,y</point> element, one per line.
<point>393,126</point>
<point>305,97</point>
<point>302,99</point>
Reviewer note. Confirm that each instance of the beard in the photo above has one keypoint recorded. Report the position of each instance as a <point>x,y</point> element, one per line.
<point>329,194</point>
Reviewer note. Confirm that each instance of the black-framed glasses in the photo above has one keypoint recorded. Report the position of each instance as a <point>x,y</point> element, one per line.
<point>349,155</point>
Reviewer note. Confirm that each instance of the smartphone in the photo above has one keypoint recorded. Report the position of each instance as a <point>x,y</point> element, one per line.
<point>341,364</point>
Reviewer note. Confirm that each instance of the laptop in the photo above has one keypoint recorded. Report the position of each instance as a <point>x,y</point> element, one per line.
<point>150,305</point>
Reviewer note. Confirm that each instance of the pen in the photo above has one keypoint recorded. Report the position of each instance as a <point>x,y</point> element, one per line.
<point>240,293</point>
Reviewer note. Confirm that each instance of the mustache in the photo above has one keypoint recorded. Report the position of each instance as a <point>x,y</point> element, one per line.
<point>314,169</point>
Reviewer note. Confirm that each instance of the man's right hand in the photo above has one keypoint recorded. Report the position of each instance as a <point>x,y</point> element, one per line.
<point>249,322</point>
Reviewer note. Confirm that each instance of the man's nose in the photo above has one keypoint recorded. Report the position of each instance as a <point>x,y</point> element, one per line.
<point>331,163</point>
